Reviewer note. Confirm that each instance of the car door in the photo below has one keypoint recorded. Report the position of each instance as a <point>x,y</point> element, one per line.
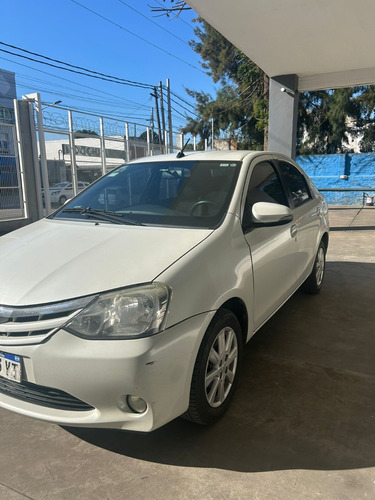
<point>68,190</point>
<point>307,216</point>
<point>273,249</point>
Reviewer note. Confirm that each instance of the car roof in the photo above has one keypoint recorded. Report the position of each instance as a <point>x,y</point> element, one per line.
<point>200,156</point>
<point>227,155</point>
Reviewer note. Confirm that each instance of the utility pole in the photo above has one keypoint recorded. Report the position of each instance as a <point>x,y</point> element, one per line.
<point>152,119</point>
<point>152,130</point>
<point>155,94</point>
<point>169,116</point>
<point>162,113</point>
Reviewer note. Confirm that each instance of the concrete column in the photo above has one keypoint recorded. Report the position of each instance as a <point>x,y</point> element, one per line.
<point>31,162</point>
<point>283,113</point>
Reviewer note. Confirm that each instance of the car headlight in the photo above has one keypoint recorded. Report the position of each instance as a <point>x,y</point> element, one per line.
<point>123,314</point>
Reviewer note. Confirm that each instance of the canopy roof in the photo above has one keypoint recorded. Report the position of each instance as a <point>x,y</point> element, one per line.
<point>326,43</point>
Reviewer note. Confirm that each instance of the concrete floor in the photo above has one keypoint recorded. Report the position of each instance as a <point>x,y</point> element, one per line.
<point>301,424</point>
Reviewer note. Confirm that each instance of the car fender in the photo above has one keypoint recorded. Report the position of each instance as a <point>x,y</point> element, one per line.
<point>215,271</point>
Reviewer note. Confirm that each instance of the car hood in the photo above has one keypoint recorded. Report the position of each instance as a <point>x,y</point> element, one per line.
<point>52,260</point>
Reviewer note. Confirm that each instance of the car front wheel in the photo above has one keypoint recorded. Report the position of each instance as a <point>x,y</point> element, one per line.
<point>216,369</point>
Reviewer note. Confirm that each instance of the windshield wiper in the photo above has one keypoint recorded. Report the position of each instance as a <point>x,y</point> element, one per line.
<point>106,215</point>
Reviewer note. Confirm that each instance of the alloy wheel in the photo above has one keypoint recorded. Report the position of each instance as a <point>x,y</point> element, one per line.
<point>221,367</point>
<point>320,264</point>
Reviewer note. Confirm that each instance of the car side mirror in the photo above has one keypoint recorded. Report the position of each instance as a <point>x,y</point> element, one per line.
<point>271,214</point>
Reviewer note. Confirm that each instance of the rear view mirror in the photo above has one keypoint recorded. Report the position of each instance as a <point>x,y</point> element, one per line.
<point>271,214</point>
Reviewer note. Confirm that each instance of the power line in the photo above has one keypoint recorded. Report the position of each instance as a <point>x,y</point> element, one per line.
<point>183,107</point>
<point>183,100</point>
<point>70,81</point>
<point>27,79</point>
<point>85,69</point>
<point>99,112</point>
<point>225,108</point>
<point>178,17</point>
<point>134,34</point>
<point>176,111</point>
<point>68,69</point>
<point>76,83</point>
<point>106,77</point>
<point>97,103</point>
<point>74,108</point>
<point>95,98</point>
<point>153,22</point>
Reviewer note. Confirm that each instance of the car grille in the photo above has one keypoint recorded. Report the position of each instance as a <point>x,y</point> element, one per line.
<point>42,396</point>
<point>31,324</point>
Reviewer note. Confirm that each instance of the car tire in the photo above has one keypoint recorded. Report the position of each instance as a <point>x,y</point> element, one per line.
<point>314,282</point>
<point>216,369</point>
<point>62,199</point>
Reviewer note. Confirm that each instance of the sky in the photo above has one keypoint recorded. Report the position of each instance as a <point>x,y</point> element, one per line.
<point>120,38</point>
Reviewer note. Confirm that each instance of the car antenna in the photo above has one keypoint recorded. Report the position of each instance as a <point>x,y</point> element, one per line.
<point>180,154</point>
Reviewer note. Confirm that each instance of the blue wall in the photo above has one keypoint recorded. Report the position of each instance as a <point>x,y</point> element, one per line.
<point>325,172</point>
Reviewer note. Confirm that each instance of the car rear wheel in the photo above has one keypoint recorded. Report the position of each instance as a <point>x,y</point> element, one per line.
<point>216,369</point>
<point>314,282</point>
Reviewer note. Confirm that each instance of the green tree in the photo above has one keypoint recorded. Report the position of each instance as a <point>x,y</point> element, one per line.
<point>326,120</point>
<point>366,123</point>
<point>154,139</point>
<point>200,126</point>
<point>240,106</point>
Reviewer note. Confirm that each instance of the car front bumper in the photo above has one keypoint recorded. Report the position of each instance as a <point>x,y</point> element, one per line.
<point>102,373</point>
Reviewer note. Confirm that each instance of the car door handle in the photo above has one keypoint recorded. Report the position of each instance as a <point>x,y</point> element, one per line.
<point>294,230</point>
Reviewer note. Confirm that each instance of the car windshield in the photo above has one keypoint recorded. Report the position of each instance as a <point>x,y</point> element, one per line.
<point>167,193</point>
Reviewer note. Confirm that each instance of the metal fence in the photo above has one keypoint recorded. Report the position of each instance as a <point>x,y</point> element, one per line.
<point>77,147</point>
<point>337,199</point>
<point>69,150</point>
<point>12,204</point>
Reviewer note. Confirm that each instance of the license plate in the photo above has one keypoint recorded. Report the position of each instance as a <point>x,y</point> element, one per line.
<point>10,366</point>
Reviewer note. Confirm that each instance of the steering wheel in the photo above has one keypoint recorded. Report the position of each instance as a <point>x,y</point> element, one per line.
<point>200,203</point>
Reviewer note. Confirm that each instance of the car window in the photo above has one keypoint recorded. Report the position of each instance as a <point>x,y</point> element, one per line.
<point>180,193</point>
<point>264,186</point>
<point>60,185</point>
<point>296,183</point>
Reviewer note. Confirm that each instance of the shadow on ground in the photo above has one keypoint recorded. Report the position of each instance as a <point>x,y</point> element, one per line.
<point>305,397</point>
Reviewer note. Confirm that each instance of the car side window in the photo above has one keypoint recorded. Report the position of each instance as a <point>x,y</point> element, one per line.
<point>296,182</point>
<point>264,186</point>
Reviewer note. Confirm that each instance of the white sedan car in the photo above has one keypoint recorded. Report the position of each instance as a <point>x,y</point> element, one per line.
<point>62,191</point>
<point>130,305</point>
